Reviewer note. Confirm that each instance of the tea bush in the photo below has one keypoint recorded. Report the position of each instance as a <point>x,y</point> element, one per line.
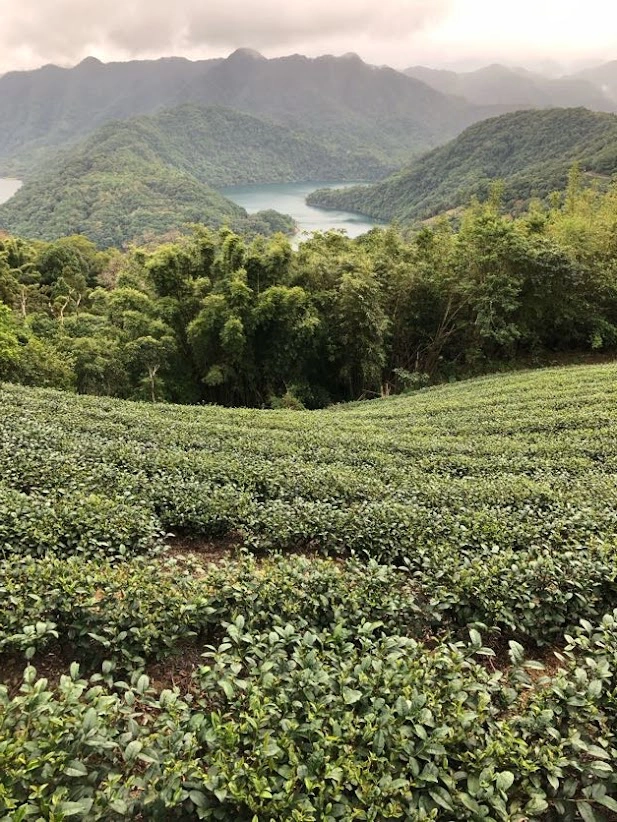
<point>129,612</point>
<point>386,556</point>
<point>322,725</point>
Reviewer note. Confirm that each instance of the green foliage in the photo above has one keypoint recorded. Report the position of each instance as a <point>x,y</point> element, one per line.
<point>85,523</point>
<point>213,317</point>
<point>321,724</point>
<point>142,609</point>
<point>374,686</point>
<point>531,151</point>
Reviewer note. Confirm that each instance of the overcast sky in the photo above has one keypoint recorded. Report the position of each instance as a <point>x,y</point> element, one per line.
<point>397,32</point>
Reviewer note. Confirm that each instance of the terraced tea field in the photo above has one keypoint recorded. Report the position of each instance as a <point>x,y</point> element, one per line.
<point>332,615</point>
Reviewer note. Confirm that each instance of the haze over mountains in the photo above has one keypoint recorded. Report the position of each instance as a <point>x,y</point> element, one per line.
<point>338,99</point>
<point>496,84</point>
<point>604,76</point>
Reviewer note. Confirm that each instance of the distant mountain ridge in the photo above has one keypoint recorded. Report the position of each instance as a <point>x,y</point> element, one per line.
<point>531,151</point>
<point>605,77</point>
<point>498,84</point>
<point>340,100</point>
<point>51,106</point>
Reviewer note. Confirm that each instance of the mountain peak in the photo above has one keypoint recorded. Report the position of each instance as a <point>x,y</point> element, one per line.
<point>90,62</point>
<point>246,54</point>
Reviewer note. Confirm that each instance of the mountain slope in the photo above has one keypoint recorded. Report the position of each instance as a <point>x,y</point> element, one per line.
<point>350,104</point>
<point>516,87</point>
<point>531,151</point>
<point>223,147</point>
<point>153,174</point>
<point>53,106</point>
<point>340,99</point>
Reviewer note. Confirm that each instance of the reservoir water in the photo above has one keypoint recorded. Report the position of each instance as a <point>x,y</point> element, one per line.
<point>289,198</point>
<point>8,187</point>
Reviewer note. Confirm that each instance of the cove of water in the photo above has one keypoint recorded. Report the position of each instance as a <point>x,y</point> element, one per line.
<point>8,187</point>
<point>289,198</point>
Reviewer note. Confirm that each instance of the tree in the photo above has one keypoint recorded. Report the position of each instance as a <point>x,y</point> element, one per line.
<point>360,330</point>
<point>150,354</point>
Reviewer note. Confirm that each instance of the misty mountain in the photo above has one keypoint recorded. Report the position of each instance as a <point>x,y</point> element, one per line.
<point>518,88</point>
<point>150,175</point>
<point>531,151</point>
<point>341,100</point>
<point>605,77</point>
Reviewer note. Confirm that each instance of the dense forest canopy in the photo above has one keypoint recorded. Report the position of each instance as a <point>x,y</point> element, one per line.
<point>531,151</point>
<point>216,318</point>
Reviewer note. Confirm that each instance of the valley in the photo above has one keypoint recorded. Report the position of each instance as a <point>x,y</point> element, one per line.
<point>290,198</point>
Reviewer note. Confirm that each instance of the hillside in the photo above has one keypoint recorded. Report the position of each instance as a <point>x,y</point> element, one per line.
<point>531,151</point>
<point>153,174</point>
<point>51,106</point>
<point>438,610</point>
<point>223,147</point>
<point>497,84</point>
<point>343,101</point>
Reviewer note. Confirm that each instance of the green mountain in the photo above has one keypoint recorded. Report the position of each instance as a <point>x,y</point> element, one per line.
<point>517,87</point>
<point>341,100</point>
<point>531,151</point>
<point>223,147</point>
<point>155,174</point>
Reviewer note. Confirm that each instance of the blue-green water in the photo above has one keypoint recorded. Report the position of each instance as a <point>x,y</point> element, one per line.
<point>289,198</point>
<point>8,187</point>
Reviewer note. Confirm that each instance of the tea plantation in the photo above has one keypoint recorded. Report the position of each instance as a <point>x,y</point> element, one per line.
<point>399,609</point>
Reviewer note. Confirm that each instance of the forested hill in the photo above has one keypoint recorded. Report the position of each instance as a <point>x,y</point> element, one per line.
<point>222,147</point>
<point>351,104</point>
<point>155,174</point>
<point>518,87</point>
<point>531,151</point>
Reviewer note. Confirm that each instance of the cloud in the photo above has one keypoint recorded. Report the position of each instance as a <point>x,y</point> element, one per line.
<point>65,30</point>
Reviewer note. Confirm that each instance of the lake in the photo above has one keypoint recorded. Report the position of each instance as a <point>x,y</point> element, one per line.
<point>289,198</point>
<point>8,187</point>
